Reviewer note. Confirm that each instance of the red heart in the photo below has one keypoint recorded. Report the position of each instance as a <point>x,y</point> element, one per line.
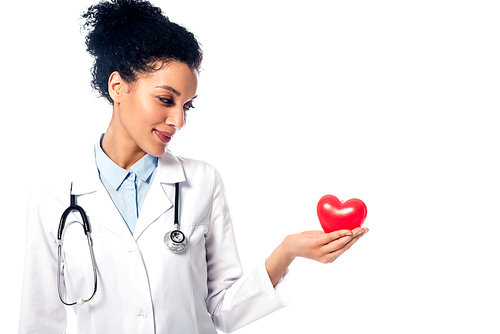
<point>335,215</point>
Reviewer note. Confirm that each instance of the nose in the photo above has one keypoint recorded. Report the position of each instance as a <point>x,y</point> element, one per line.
<point>176,118</point>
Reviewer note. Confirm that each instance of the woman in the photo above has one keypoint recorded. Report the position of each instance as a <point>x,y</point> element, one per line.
<point>147,68</point>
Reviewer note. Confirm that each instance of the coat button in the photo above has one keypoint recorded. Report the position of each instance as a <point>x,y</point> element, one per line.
<point>142,315</point>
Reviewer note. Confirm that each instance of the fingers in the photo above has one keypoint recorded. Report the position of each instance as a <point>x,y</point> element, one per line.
<point>337,244</point>
<point>321,246</point>
<point>340,245</point>
<point>333,236</point>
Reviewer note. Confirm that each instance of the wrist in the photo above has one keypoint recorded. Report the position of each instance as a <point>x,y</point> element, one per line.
<point>286,248</point>
<point>278,262</point>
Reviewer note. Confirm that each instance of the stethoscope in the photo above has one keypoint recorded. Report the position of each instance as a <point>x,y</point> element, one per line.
<point>174,240</point>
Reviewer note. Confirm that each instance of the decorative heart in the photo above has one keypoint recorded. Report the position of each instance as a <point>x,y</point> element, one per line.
<point>335,215</point>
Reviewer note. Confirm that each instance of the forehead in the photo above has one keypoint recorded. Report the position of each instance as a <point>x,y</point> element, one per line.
<point>178,76</point>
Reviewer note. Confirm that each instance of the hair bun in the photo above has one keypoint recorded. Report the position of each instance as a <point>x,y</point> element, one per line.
<point>128,35</point>
<point>107,18</point>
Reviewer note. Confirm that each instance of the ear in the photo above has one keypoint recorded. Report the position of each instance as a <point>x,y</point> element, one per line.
<point>116,86</point>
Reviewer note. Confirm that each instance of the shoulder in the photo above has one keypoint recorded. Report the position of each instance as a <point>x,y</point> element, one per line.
<point>200,172</point>
<point>199,176</point>
<point>188,166</point>
<point>194,165</point>
<point>59,181</point>
<point>48,198</point>
<point>52,184</point>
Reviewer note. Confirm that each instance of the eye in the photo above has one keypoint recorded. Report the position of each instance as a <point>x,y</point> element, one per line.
<point>188,106</point>
<point>166,100</point>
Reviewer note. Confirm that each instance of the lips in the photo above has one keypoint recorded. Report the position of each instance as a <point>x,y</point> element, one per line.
<point>164,137</point>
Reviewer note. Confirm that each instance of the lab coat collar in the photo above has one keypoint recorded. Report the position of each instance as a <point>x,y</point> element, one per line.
<point>99,205</point>
<point>170,169</point>
<point>86,176</point>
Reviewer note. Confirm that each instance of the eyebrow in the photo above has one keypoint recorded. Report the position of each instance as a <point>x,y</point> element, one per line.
<point>173,90</point>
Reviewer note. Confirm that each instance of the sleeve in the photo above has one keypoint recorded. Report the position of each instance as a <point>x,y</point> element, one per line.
<point>41,310</point>
<point>235,300</point>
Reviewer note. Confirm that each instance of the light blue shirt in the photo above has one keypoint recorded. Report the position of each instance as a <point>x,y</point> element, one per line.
<point>127,188</point>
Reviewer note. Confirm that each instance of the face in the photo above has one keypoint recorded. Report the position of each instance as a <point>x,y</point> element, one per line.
<point>148,112</point>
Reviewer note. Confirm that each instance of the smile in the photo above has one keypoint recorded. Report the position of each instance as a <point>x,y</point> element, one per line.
<point>164,137</point>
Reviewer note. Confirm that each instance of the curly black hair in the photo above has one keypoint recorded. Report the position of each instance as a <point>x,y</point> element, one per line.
<point>131,36</point>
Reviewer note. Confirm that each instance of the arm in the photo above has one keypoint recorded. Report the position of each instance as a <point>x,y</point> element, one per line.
<point>234,299</point>
<point>41,310</point>
<point>314,245</point>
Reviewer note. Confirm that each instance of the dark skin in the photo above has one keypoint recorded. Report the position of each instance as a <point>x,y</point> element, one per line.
<point>314,245</point>
<point>156,103</point>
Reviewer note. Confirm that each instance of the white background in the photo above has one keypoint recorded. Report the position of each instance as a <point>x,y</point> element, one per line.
<point>393,102</point>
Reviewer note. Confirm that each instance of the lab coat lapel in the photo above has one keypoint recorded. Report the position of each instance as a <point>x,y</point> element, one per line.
<point>95,200</point>
<point>161,195</point>
<point>104,212</point>
<point>157,202</point>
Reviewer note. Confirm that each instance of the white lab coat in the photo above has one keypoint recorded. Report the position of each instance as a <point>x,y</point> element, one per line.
<point>142,286</point>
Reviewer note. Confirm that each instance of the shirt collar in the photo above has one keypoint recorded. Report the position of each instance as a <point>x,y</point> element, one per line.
<point>115,175</point>
<point>145,167</point>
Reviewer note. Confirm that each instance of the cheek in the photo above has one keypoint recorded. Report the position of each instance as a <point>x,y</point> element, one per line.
<point>155,115</point>
<point>146,114</point>
<point>149,111</point>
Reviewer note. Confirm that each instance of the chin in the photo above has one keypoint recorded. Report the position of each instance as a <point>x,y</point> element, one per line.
<point>158,154</point>
<point>157,151</point>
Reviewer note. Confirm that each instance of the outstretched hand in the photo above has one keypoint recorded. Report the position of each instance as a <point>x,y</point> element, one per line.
<point>320,246</point>
<point>315,245</point>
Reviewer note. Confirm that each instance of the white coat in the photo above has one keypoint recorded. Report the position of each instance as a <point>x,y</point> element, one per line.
<point>142,286</point>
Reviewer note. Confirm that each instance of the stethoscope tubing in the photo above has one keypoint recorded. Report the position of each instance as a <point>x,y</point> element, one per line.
<point>94,269</point>
<point>86,228</point>
<point>176,207</point>
<point>176,246</point>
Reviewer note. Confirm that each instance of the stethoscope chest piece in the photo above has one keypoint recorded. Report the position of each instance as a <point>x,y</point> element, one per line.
<point>175,241</point>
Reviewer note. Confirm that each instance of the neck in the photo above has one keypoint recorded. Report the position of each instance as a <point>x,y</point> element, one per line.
<point>123,153</point>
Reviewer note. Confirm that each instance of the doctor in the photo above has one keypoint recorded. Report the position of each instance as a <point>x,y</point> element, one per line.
<point>147,68</point>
